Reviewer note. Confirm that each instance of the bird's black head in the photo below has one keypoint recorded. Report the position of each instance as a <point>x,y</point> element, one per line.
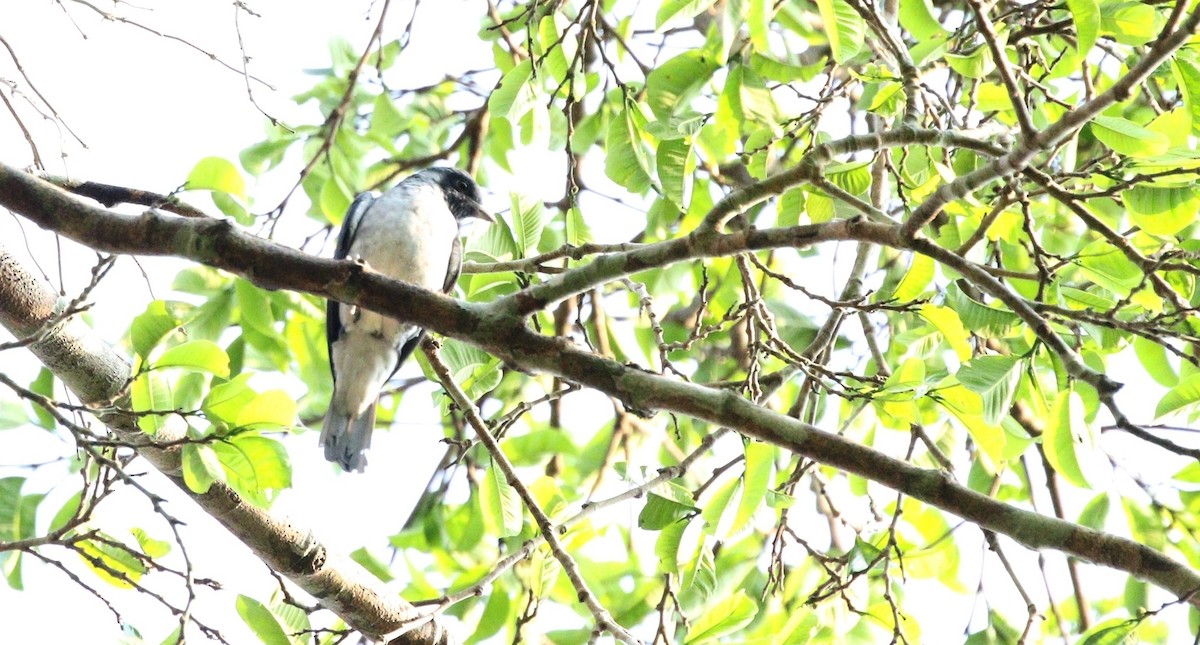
<point>462,195</point>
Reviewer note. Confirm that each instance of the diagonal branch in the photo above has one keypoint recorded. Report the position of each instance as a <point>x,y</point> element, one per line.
<point>98,375</point>
<point>1173,36</point>
<point>604,620</point>
<point>506,336</point>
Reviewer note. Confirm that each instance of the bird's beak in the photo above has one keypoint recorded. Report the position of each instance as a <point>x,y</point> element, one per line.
<point>480,212</point>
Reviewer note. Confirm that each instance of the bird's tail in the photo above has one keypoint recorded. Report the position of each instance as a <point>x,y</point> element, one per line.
<point>347,437</point>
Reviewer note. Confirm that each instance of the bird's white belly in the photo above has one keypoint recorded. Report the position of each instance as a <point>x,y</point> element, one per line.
<point>407,237</point>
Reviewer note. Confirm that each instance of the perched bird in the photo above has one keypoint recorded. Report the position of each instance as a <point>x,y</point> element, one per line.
<point>410,233</point>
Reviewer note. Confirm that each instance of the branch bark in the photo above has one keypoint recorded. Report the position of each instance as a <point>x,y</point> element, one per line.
<point>497,330</point>
<point>98,375</point>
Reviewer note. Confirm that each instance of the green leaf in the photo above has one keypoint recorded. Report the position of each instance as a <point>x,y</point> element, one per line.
<point>981,319</point>
<point>150,546</point>
<point>13,415</point>
<point>967,407</point>
<point>1130,23</point>
<point>529,221</point>
<point>679,10</point>
<point>216,173</point>
<point>10,503</point>
<point>791,205</point>
<point>627,163</point>
<point>151,326</point>
<point>476,371</point>
<point>896,401</point>
<point>671,86</point>
<point>261,621</point>
<point>504,513</point>
<point>334,201</point>
<point>667,547</point>
<point>759,464</point>
<point>844,28</point>
<point>225,402</point>
<point>151,393</point>
<point>62,517</point>
<point>854,178</point>
<point>255,307</point>
<point>1128,138</point>
<point>1109,268</point>
<point>174,638</point>
<point>661,512</point>
<point>1095,512</point>
<point>1187,78</point>
<point>272,409</point>
<point>725,617</point>
<point>516,94</point>
<point>1179,398</point>
<point>202,355</point>
<point>1086,15</point>
<point>578,231</point>
<point>230,206</point>
<point>497,244</point>
<point>1161,210</point>
<point>44,385</point>
<point>758,21</point>
<point>1113,631</point>
<point>265,155</point>
<point>1153,357</point>
<point>947,321</point>
<point>719,511</point>
<point>673,159</point>
<point>976,64</point>
<point>294,621</point>
<point>112,563</point>
<point>387,121</point>
<point>256,467</point>
<point>756,101</point>
<point>201,467</point>
<point>542,572</point>
<point>496,614</point>
<point>377,567</point>
<point>916,279</point>
<point>1065,435</point>
<point>994,379</point>
<point>917,17</point>
<point>700,575</point>
<point>1176,126</point>
<point>557,51</point>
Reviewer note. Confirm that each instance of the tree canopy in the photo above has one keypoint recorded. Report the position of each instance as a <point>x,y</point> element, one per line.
<point>824,322</point>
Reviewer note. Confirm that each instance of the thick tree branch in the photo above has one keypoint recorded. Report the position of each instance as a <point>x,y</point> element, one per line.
<point>504,334</point>
<point>98,375</point>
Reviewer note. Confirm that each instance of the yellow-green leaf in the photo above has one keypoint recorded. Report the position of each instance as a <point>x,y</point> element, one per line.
<point>216,173</point>
<point>1086,16</point>
<point>844,28</point>
<point>916,279</point>
<point>1128,138</point>
<point>1161,210</point>
<point>1066,435</point>
<point>203,355</point>
<point>1184,396</point>
<point>947,321</point>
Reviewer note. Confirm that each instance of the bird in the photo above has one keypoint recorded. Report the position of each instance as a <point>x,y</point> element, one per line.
<point>409,233</point>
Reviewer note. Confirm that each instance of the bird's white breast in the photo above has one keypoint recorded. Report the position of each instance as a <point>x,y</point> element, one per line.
<point>407,234</point>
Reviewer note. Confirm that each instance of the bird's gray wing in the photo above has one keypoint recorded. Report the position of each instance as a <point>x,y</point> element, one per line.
<point>455,268</point>
<point>333,321</point>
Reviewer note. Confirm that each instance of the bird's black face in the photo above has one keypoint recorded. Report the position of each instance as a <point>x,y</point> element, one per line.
<point>462,195</point>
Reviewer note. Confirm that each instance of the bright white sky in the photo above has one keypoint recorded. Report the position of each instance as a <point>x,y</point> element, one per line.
<point>148,109</point>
